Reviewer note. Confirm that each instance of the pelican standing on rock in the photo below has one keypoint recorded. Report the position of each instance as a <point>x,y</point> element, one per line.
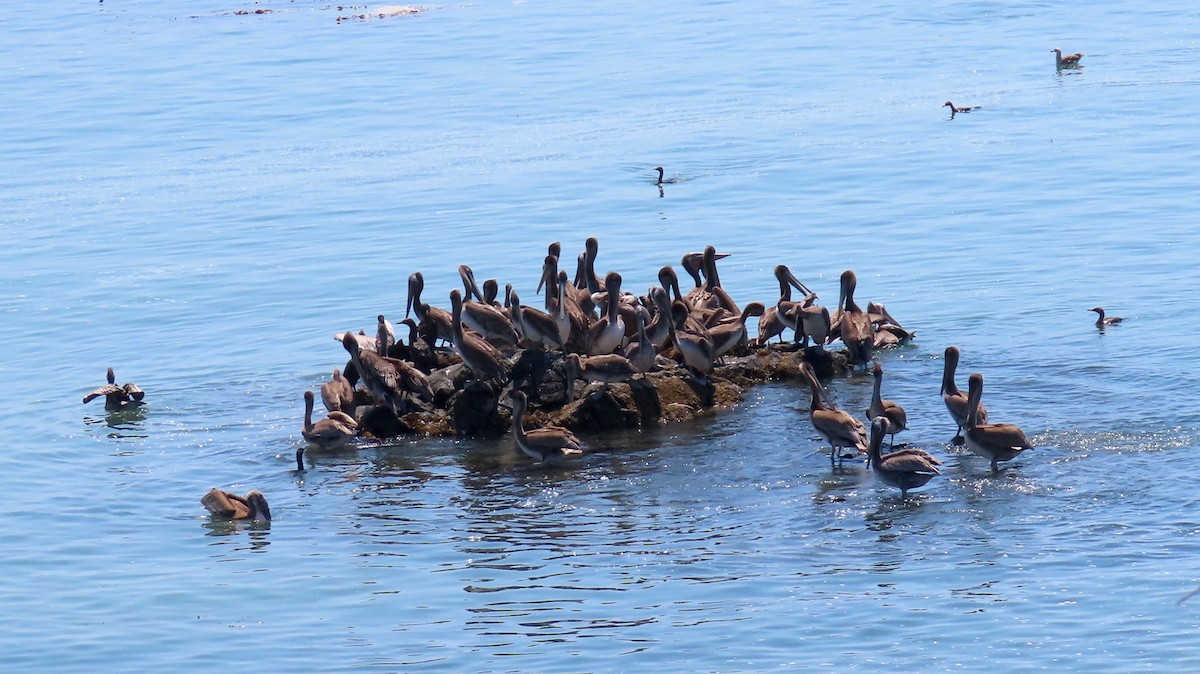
<point>606,334</point>
<point>438,317</point>
<point>547,444</point>
<point>337,394</point>
<point>996,442</point>
<point>388,380</point>
<point>606,369</point>
<point>855,324</point>
<point>895,415</point>
<point>1104,321</point>
<point>483,359</point>
<point>117,397</point>
<point>252,506</point>
<point>904,469</point>
<point>838,427</point>
<point>956,400</point>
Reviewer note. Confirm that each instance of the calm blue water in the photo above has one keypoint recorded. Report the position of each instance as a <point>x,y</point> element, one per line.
<point>201,200</point>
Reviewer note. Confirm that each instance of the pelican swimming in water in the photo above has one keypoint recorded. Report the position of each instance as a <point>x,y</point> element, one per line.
<point>329,433</point>
<point>995,442</point>
<point>252,506</point>
<point>838,427</point>
<point>895,415</point>
<point>1104,321</point>
<point>548,444</point>
<point>956,400</point>
<point>904,469</point>
<point>117,397</point>
<point>438,317</point>
<point>1067,61</point>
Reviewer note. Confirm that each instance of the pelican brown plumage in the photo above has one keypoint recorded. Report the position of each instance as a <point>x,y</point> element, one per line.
<point>895,414</point>
<point>337,394</point>
<point>388,380</point>
<point>439,318</point>
<point>996,442</point>
<point>482,358</point>
<point>1065,61</point>
<point>329,433</point>
<point>606,369</point>
<point>536,326</point>
<point>956,400</point>
<point>606,334</point>
<point>854,323</point>
<point>729,334</point>
<point>838,427</point>
<point>641,353</point>
<point>117,397</point>
<point>252,506</point>
<point>904,469</point>
<point>547,444</point>
<point>1103,321</point>
<point>482,317</point>
<point>695,349</point>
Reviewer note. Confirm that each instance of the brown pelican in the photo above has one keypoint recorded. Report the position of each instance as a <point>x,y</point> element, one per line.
<point>904,469</point>
<point>786,311</point>
<point>607,369</point>
<point>439,318</point>
<point>838,427</point>
<point>1102,321</point>
<point>855,324</point>
<point>956,400</point>
<point>696,349</point>
<point>895,415</point>
<point>547,444</point>
<point>481,357</point>
<point>659,327</point>
<point>385,335</point>
<point>117,397</point>
<point>331,432</point>
<point>537,326</point>
<point>814,321</point>
<point>996,442</point>
<point>590,280</point>
<point>606,334</point>
<point>1068,61</point>
<point>487,320</point>
<point>337,394</point>
<point>954,109</point>
<point>642,353</point>
<point>728,335</point>
<point>387,379</point>
<point>252,506</point>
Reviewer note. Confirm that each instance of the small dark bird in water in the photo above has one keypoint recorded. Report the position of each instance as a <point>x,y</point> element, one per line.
<point>954,109</point>
<point>1103,321</point>
<point>117,397</point>
<point>661,181</point>
<point>1068,61</point>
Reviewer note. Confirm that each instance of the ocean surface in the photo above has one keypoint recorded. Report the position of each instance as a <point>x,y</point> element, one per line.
<point>199,198</point>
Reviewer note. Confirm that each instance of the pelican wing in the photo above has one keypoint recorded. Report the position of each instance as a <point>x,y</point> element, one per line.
<point>553,438</point>
<point>840,428</point>
<point>103,391</point>
<point>911,461</point>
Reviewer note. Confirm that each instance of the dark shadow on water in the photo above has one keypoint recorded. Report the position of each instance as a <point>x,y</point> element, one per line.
<point>258,532</point>
<point>125,423</point>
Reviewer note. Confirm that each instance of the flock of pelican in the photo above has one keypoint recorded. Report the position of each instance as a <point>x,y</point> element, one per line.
<point>602,333</point>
